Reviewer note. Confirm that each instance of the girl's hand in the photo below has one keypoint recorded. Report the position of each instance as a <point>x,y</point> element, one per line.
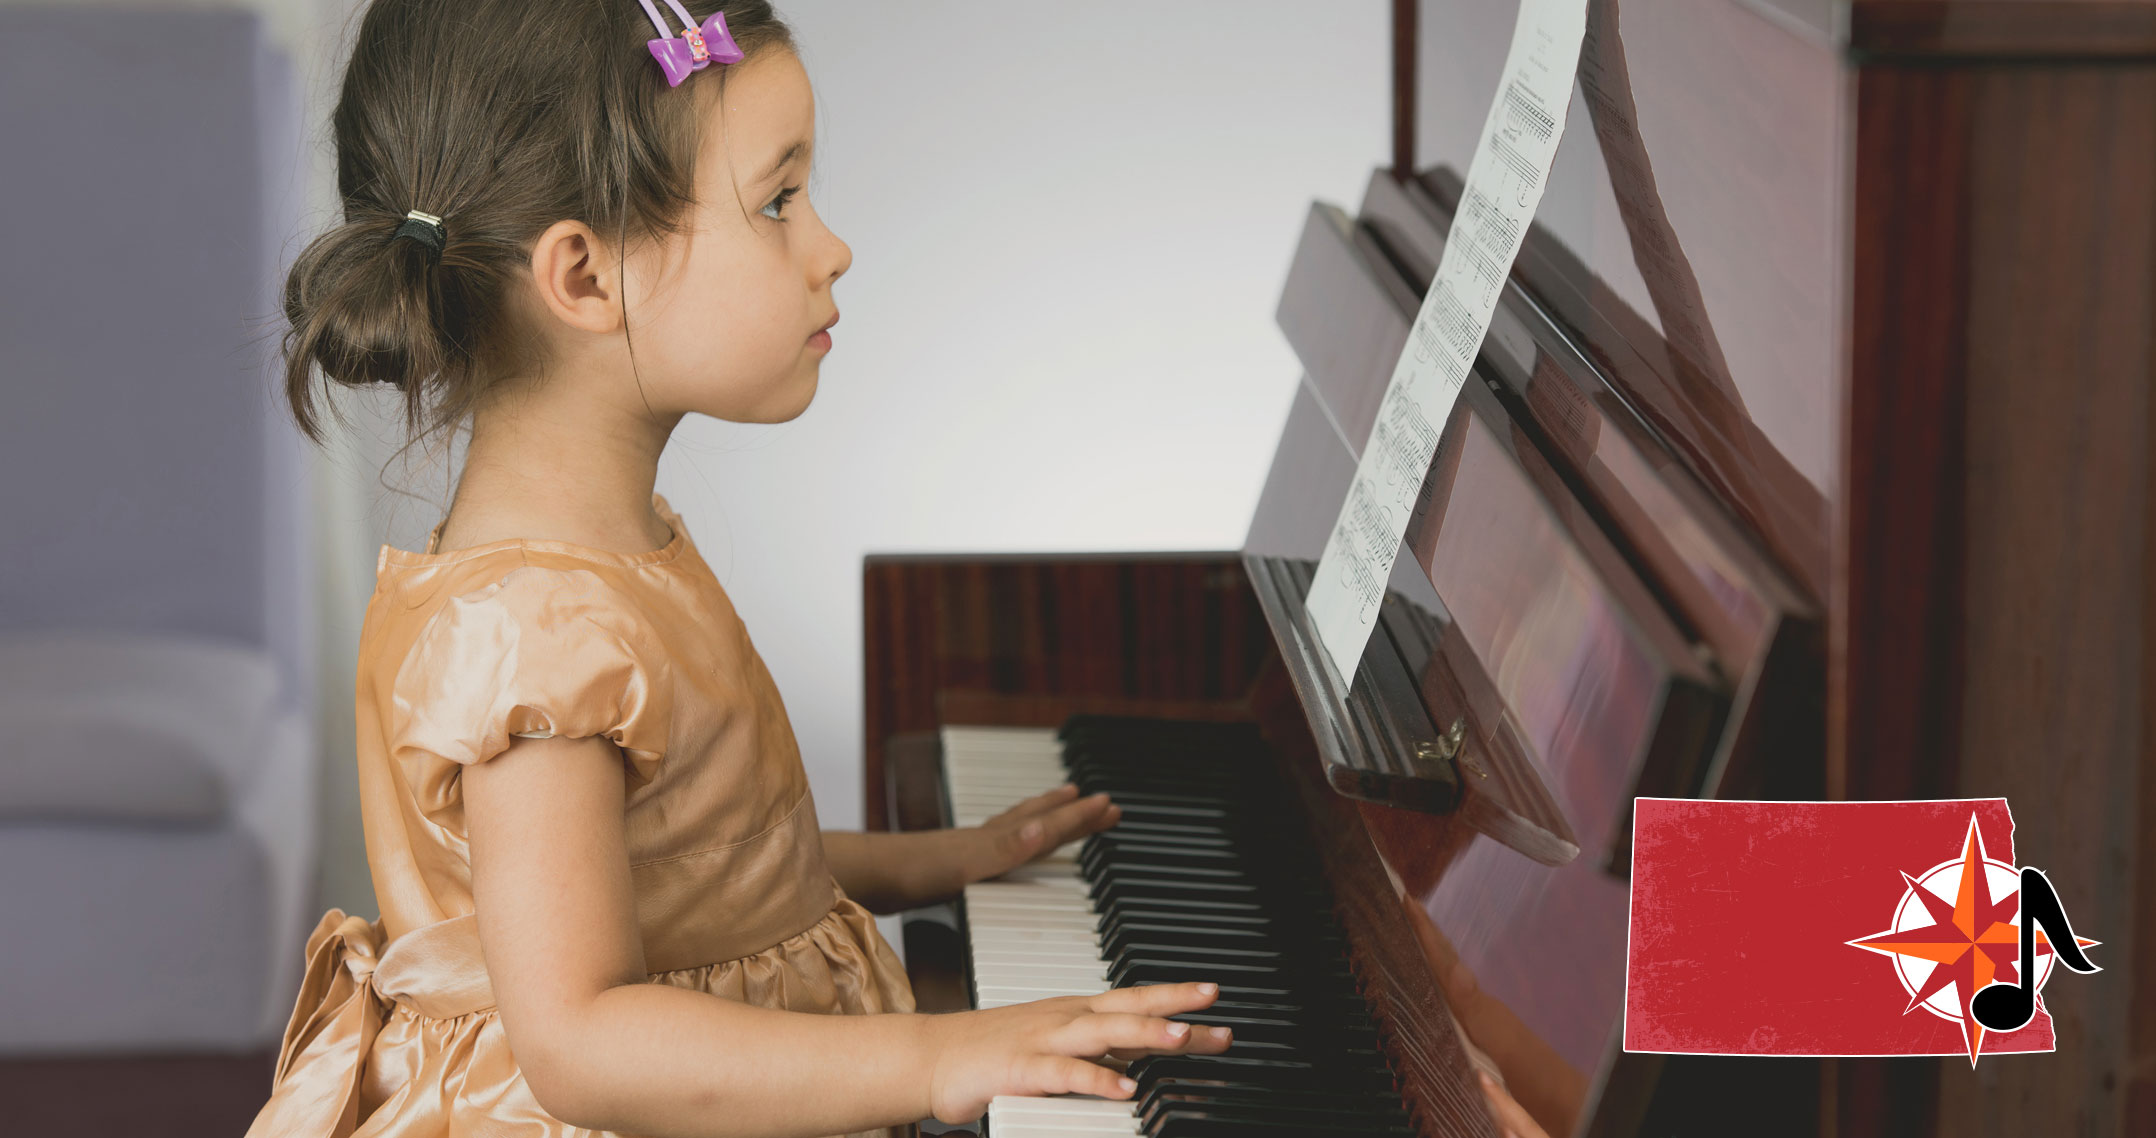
<point>1046,1047</point>
<point>1030,829</point>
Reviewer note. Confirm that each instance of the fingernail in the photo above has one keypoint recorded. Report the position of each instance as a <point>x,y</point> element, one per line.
<point>1178,1030</point>
<point>1030,831</point>
<point>1220,1033</point>
<point>1486,1079</point>
<point>1208,989</point>
<point>1127,1084</point>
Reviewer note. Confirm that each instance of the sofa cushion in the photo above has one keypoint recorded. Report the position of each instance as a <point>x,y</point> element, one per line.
<point>134,728</point>
<point>81,765</point>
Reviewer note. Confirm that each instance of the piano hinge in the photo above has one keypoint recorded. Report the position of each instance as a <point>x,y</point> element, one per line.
<point>1447,750</point>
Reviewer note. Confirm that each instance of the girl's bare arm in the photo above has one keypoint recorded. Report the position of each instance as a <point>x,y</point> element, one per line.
<point>889,872</point>
<point>601,1048</point>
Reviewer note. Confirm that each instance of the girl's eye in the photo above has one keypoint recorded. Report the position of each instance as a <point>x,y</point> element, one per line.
<point>779,203</point>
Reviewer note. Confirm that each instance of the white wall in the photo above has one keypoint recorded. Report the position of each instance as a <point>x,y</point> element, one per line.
<point>1070,225</point>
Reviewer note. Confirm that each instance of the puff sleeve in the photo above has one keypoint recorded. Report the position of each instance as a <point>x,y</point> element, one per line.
<point>539,653</point>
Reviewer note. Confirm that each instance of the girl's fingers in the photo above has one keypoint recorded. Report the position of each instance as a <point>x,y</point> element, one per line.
<point>1044,801</point>
<point>1063,1074</point>
<point>1203,1041</point>
<point>1077,819</point>
<point>1103,1032</point>
<point>1018,841</point>
<point>1210,1040</point>
<point>1155,999</point>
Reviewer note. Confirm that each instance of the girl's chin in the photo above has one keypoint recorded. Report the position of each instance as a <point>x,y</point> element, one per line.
<point>778,404</point>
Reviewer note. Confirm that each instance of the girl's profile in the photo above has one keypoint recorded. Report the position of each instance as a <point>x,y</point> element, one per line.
<point>606,902</point>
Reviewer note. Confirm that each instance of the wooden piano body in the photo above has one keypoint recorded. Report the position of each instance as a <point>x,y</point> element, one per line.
<point>1807,457</point>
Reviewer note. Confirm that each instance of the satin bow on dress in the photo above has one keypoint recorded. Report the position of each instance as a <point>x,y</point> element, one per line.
<point>351,984</point>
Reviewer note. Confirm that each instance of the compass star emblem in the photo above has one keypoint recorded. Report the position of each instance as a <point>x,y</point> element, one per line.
<point>1956,930</point>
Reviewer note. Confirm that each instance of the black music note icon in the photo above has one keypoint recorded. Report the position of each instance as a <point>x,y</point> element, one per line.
<point>2008,1007</point>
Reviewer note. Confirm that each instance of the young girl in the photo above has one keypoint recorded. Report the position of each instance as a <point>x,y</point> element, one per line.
<point>606,905</point>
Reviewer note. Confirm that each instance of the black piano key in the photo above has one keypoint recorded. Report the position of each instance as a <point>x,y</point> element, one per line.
<point>1307,1007</point>
<point>1102,848</point>
<point>1154,811</point>
<point>1299,1020</point>
<point>1172,890</point>
<point>1190,919</point>
<point>1164,830</point>
<point>1102,854</point>
<point>1132,973</point>
<point>1297,941</point>
<point>1164,949</point>
<point>1161,891</point>
<point>1210,875</point>
<point>1174,866</point>
<point>1276,1070</point>
<point>1200,1091</point>
<point>1167,1100</point>
<point>1234,991</point>
<point>1199,1123</point>
<point>1305,1037</point>
<point>1172,839</point>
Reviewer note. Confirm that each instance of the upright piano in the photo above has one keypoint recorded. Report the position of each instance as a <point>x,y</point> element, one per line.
<point>1806,457</point>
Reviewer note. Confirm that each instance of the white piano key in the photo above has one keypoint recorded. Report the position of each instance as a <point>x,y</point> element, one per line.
<point>1074,1106</point>
<point>1025,1117</point>
<point>1035,940</point>
<point>1010,897</point>
<point>1041,901</point>
<point>1015,940</point>
<point>1016,994</point>
<point>1032,933</point>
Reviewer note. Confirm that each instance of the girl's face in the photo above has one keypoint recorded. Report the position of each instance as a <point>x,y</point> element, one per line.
<point>724,320</point>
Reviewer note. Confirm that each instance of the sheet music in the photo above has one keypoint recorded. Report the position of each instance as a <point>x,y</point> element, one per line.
<point>1505,180</point>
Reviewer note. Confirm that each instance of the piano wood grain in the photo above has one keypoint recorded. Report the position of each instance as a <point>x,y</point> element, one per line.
<point>1178,629</point>
<point>1996,516</point>
<point>1999,30</point>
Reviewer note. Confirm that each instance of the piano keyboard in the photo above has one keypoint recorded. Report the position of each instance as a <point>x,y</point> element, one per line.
<point>1208,876</point>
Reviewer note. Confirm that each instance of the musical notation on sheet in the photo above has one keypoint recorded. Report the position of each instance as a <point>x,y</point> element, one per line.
<point>1505,180</point>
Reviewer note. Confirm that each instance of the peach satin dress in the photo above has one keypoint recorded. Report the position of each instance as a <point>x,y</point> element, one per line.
<point>395,1034</point>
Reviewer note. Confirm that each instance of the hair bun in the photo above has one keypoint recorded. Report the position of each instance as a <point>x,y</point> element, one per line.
<point>367,312</point>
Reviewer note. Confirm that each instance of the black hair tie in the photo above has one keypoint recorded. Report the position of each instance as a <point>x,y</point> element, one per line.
<point>424,228</point>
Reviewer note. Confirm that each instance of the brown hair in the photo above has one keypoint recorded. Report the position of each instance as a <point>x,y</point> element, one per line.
<point>501,117</point>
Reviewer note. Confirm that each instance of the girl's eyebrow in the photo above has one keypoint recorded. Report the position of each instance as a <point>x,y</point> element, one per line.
<point>792,152</point>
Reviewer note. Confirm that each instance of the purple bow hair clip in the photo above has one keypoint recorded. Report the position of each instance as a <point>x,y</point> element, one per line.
<point>695,48</point>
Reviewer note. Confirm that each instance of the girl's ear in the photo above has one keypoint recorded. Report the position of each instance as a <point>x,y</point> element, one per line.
<point>576,282</point>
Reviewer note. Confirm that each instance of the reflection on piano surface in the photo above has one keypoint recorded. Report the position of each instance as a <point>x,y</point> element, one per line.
<point>1750,495</point>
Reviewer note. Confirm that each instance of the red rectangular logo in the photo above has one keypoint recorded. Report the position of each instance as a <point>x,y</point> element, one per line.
<point>1823,928</point>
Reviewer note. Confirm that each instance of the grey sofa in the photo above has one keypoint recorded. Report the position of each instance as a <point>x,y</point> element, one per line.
<point>158,765</point>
